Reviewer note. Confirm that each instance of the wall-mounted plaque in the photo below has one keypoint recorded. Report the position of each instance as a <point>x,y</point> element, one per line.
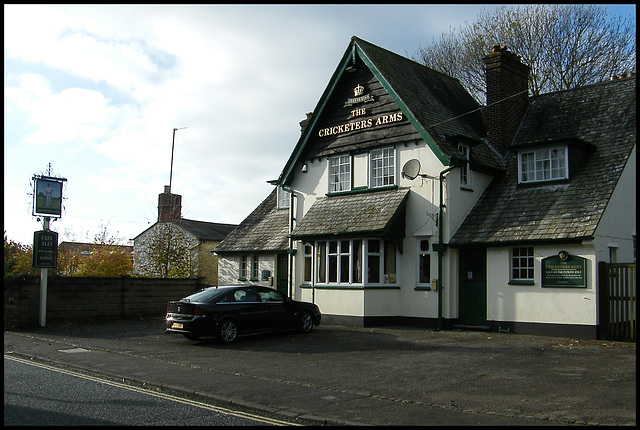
<point>564,271</point>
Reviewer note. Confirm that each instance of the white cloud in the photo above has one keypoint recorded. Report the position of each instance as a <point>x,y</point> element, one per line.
<point>97,90</point>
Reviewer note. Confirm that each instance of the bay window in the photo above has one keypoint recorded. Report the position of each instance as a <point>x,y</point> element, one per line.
<point>341,262</point>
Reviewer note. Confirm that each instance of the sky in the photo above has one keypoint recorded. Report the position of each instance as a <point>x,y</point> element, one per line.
<point>93,94</point>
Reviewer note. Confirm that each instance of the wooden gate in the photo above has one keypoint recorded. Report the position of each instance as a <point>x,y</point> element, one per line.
<point>617,295</point>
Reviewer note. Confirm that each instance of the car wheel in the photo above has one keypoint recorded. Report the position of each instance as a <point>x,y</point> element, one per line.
<point>191,336</point>
<point>305,322</point>
<point>227,331</point>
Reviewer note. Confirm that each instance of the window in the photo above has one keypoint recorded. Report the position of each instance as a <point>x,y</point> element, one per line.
<point>373,261</point>
<point>255,267</point>
<point>543,165</point>
<point>284,198</point>
<point>613,253</point>
<point>424,262</point>
<point>356,262</point>
<point>249,266</point>
<point>341,261</point>
<point>340,174</point>
<point>381,262</point>
<point>306,273</point>
<point>267,295</point>
<point>321,262</point>
<point>244,267</point>
<point>464,170</point>
<point>245,295</point>
<point>522,264</point>
<point>383,167</point>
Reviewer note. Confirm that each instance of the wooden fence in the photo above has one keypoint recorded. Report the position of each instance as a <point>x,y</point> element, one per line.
<point>617,284</point>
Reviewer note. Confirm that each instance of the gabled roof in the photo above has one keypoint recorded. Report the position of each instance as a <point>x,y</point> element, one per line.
<point>266,229</point>
<point>601,118</point>
<point>206,231</point>
<point>209,231</point>
<point>436,104</point>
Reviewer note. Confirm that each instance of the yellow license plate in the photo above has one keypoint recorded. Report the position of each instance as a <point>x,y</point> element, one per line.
<point>176,325</point>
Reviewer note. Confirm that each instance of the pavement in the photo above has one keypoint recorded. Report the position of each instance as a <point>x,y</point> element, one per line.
<point>339,375</point>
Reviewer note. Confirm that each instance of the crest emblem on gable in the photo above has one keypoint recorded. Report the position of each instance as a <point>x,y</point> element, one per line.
<point>358,96</point>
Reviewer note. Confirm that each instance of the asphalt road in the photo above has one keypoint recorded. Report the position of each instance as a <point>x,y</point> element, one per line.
<point>344,375</point>
<point>41,395</point>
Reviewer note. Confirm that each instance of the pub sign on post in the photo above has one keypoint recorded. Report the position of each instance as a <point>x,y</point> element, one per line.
<point>47,196</point>
<point>45,249</point>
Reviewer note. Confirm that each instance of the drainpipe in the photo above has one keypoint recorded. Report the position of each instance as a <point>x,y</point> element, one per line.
<point>290,250</point>
<point>441,246</point>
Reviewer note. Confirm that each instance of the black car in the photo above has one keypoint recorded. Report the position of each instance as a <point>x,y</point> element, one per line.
<point>226,312</point>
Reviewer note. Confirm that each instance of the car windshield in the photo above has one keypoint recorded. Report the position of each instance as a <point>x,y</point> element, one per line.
<point>206,295</point>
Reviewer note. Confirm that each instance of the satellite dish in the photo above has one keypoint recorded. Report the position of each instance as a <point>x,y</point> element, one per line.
<point>411,169</point>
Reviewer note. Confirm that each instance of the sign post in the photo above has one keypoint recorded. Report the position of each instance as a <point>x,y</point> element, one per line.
<point>45,253</point>
<point>47,202</point>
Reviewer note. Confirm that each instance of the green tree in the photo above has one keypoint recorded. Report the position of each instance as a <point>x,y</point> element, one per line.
<point>18,259</point>
<point>566,46</point>
<point>105,261</point>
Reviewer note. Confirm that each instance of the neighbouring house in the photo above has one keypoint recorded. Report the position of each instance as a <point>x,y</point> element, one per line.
<point>405,201</point>
<point>257,252</point>
<point>178,247</point>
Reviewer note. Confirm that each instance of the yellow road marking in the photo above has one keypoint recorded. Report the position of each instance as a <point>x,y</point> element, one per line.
<point>148,392</point>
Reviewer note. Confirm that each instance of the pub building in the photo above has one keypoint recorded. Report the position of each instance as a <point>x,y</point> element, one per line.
<point>406,202</point>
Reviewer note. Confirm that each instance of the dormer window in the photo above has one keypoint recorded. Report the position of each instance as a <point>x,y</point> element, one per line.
<point>541,165</point>
<point>464,170</point>
<point>284,198</point>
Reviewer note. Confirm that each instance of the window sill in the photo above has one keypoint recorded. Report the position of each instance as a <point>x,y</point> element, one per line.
<point>466,188</point>
<point>422,288</point>
<point>522,283</point>
<point>353,287</point>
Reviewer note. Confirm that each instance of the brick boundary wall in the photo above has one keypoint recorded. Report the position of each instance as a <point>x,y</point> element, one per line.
<point>79,298</point>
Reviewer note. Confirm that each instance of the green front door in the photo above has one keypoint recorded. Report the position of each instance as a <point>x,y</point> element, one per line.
<point>473,286</point>
<point>282,274</point>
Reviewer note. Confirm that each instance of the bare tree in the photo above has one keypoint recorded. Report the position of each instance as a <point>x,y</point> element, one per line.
<point>566,46</point>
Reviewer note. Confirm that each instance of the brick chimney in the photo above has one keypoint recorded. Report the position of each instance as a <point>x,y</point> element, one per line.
<point>169,206</point>
<point>507,96</point>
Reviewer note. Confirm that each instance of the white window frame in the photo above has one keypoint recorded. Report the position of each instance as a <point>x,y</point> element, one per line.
<point>522,264</point>
<point>307,263</point>
<point>464,170</point>
<point>332,255</point>
<point>244,267</point>
<point>284,198</point>
<point>339,173</point>
<point>543,165</point>
<point>255,267</point>
<point>382,167</point>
